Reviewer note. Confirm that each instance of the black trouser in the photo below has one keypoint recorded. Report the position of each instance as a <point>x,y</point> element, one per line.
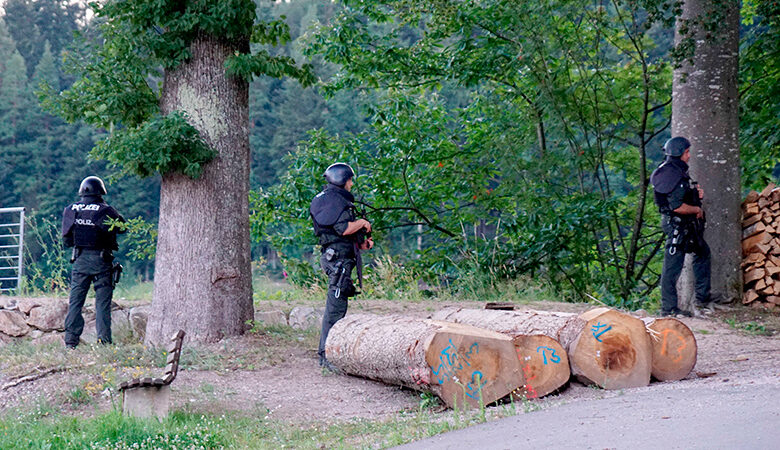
<point>90,267</point>
<point>335,306</point>
<point>674,257</point>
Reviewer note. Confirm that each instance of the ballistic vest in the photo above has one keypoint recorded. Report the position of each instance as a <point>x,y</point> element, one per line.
<point>325,210</point>
<point>670,175</point>
<point>83,225</point>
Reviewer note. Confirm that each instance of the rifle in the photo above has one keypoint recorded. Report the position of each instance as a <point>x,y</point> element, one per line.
<point>362,213</point>
<point>361,236</point>
<point>698,224</point>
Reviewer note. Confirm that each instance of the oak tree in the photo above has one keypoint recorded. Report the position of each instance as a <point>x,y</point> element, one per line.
<point>169,81</point>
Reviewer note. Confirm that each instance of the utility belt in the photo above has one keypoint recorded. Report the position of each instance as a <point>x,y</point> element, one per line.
<point>107,256</point>
<point>341,271</point>
<point>341,249</point>
<point>687,234</point>
<point>105,253</point>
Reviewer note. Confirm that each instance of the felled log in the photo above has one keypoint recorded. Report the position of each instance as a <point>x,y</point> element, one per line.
<point>605,347</point>
<point>674,348</point>
<point>545,365</point>
<point>463,365</point>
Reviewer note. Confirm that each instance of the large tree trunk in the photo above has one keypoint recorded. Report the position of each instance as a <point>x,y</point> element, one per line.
<point>705,109</point>
<point>202,280</point>
<point>605,347</point>
<point>464,365</point>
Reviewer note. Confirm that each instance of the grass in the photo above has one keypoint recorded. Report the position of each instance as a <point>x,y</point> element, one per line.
<point>78,396</point>
<point>111,430</point>
<point>94,371</point>
<point>132,359</point>
<point>134,291</point>
<point>43,427</point>
<point>266,289</point>
<point>751,327</point>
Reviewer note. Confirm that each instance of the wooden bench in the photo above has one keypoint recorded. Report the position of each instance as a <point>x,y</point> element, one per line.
<point>150,397</point>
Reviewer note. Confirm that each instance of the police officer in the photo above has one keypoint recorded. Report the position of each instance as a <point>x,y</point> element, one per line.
<point>682,220</point>
<point>85,228</point>
<point>341,236</point>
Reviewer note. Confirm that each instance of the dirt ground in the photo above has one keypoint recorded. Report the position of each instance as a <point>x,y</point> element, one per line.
<point>283,381</point>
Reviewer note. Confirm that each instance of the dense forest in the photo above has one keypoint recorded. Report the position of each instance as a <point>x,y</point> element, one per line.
<point>496,140</point>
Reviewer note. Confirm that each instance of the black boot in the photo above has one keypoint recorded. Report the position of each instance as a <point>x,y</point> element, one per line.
<point>676,312</point>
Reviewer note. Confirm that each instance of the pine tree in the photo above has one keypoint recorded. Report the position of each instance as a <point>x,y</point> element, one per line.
<point>46,71</point>
<point>20,18</point>
<point>34,22</point>
<point>7,46</point>
<point>14,99</point>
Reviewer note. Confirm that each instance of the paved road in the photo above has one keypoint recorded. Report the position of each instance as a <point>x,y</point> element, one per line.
<point>695,417</point>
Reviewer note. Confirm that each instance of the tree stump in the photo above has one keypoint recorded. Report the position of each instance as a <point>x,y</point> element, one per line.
<point>463,365</point>
<point>604,347</point>
<point>674,349</point>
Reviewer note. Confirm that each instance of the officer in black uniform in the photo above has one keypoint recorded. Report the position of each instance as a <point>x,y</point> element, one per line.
<point>682,220</point>
<point>341,236</point>
<point>85,228</point>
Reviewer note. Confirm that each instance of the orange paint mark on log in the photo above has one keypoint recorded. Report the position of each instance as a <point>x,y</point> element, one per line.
<point>665,344</point>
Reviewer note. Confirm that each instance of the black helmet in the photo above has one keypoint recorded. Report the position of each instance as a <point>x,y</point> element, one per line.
<point>92,186</point>
<point>338,174</point>
<point>676,146</point>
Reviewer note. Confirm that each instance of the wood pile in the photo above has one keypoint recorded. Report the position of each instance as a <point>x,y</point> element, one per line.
<point>472,358</point>
<point>761,248</point>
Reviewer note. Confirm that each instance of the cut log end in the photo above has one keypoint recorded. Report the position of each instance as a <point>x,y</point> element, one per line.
<point>474,368</point>
<point>674,349</point>
<point>545,366</point>
<point>614,351</point>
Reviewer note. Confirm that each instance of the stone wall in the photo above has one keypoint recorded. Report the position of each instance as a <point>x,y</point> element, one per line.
<point>42,320</point>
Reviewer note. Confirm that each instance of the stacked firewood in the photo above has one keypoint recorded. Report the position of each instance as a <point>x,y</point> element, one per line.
<point>761,248</point>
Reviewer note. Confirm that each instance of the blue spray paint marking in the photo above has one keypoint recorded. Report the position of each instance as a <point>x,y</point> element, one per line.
<point>553,356</point>
<point>597,327</point>
<point>473,349</point>
<point>454,357</point>
<point>476,385</point>
<point>445,374</point>
<point>446,353</point>
<point>450,362</point>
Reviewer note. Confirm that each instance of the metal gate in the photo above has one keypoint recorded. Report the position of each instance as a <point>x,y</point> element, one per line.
<point>11,248</point>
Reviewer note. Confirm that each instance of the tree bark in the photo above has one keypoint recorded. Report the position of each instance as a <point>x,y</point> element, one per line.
<point>705,110</point>
<point>464,365</point>
<point>605,347</point>
<point>202,281</point>
<point>674,349</point>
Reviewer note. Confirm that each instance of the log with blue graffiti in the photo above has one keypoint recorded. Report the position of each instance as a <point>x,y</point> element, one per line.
<point>453,366</point>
